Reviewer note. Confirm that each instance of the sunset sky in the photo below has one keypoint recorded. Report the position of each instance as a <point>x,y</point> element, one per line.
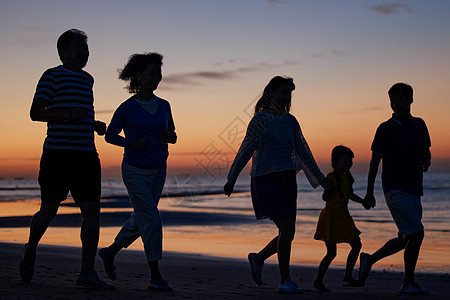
<point>219,55</point>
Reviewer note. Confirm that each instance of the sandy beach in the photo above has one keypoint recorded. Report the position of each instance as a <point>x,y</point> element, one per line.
<point>192,277</point>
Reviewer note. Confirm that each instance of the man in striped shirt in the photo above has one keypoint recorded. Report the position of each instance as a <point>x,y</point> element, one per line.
<point>69,162</point>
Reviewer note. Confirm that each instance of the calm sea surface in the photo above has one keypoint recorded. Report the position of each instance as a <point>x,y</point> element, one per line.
<point>196,210</point>
<point>188,191</point>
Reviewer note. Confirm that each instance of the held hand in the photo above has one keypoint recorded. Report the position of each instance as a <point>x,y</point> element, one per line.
<point>100,127</point>
<point>228,188</point>
<point>369,202</point>
<point>140,144</point>
<point>78,113</point>
<point>171,137</point>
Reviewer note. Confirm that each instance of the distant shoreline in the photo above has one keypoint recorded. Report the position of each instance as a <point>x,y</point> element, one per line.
<point>438,165</point>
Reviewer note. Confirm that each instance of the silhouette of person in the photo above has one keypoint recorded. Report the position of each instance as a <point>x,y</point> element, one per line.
<point>403,144</point>
<point>335,224</point>
<point>278,150</point>
<point>148,127</point>
<point>69,162</point>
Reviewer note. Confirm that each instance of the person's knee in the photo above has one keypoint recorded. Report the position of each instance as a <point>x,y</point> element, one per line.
<point>416,236</point>
<point>286,230</point>
<point>90,212</point>
<point>356,245</point>
<point>287,235</point>
<point>401,241</point>
<point>89,208</point>
<point>419,235</point>
<point>47,211</point>
<point>331,254</point>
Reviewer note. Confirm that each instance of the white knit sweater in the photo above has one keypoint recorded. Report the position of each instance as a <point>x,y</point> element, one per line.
<point>275,143</point>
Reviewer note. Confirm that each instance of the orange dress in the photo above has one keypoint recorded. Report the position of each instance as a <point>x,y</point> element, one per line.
<point>335,224</point>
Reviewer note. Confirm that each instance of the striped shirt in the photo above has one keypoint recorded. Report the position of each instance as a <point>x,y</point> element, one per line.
<point>64,90</point>
<point>275,143</point>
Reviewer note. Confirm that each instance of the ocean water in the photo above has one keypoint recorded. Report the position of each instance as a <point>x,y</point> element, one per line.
<point>198,218</point>
<point>185,191</point>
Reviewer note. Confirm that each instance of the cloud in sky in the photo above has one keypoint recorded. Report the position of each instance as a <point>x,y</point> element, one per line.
<point>278,2</point>
<point>196,78</point>
<point>332,52</point>
<point>390,9</point>
<point>358,111</point>
<point>230,61</point>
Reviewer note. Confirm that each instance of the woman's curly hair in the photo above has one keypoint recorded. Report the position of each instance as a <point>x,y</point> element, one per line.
<point>137,63</point>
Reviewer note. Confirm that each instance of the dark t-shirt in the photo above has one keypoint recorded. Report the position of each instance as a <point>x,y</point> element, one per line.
<point>402,146</point>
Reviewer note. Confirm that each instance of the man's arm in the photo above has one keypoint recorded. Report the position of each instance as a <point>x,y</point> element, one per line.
<point>39,112</point>
<point>369,199</point>
<point>426,161</point>
<point>373,170</point>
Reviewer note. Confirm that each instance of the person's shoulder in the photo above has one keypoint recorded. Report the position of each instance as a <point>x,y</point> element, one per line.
<point>86,73</point>
<point>163,101</point>
<point>291,117</point>
<point>51,71</point>
<point>331,176</point>
<point>66,73</point>
<point>259,116</point>
<point>258,120</point>
<point>81,74</point>
<point>292,120</point>
<point>419,120</point>
<point>127,103</point>
<point>164,104</point>
<point>387,123</point>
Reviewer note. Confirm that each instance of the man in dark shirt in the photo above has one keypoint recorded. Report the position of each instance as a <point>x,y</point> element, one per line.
<point>402,143</point>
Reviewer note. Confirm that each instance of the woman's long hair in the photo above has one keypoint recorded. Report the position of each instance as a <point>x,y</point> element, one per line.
<point>265,100</point>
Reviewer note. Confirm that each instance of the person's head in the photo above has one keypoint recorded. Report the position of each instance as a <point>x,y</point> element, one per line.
<point>73,49</point>
<point>342,159</point>
<point>142,71</point>
<point>401,98</point>
<point>276,95</point>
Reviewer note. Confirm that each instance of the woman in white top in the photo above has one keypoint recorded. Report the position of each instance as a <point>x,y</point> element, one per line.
<point>278,150</point>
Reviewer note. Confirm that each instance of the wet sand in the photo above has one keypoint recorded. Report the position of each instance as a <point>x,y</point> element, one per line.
<point>204,257</point>
<point>192,277</point>
<point>221,233</point>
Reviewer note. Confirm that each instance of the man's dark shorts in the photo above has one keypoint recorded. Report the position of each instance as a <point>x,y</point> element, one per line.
<point>62,171</point>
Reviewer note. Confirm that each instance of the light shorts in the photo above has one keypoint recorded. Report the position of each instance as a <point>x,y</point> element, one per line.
<point>406,210</point>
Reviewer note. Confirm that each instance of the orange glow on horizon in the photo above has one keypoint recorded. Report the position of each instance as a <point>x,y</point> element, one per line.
<point>181,163</point>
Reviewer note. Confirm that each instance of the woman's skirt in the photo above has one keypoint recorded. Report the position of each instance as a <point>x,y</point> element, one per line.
<point>274,195</point>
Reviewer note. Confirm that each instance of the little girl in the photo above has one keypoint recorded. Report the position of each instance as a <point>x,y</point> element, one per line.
<point>335,224</point>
